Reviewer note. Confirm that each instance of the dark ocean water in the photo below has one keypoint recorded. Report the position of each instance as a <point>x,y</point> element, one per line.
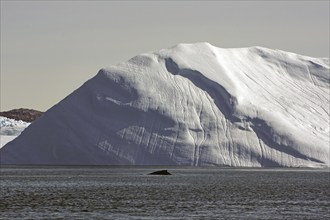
<point>108,192</point>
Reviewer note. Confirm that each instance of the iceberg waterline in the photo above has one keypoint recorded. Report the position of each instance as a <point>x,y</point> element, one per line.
<point>193,104</point>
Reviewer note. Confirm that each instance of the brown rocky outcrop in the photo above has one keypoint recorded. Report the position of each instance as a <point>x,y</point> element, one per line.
<point>23,114</point>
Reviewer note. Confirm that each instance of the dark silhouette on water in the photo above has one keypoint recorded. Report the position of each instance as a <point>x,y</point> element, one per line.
<point>160,172</point>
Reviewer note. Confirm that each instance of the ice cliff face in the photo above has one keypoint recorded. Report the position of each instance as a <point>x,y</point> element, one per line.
<point>193,104</point>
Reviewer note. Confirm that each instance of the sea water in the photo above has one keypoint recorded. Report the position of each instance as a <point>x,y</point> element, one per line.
<point>114,192</point>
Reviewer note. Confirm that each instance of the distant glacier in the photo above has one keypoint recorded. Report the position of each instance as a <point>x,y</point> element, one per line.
<point>10,129</point>
<point>192,104</point>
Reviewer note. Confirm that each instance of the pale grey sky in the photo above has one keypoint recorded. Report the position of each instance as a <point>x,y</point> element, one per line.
<point>49,48</point>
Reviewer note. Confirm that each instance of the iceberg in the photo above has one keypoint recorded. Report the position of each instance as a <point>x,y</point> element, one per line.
<point>192,104</point>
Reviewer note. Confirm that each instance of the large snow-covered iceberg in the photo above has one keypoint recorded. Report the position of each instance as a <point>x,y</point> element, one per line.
<point>193,104</point>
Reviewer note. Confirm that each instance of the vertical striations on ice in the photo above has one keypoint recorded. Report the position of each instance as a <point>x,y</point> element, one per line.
<point>193,104</point>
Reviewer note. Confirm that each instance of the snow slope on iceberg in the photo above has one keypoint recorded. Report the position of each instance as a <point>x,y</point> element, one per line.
<point>10,129</point>
<point>193,104</point>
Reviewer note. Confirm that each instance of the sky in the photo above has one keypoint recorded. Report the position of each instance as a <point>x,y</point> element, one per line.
<point>50,48</point>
